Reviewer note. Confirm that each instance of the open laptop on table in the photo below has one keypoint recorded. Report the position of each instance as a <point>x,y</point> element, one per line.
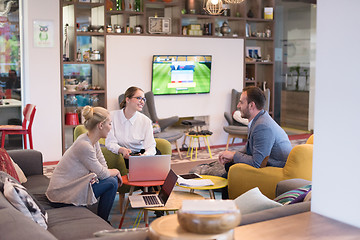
<point>154,200</point>
<point>149,168</point>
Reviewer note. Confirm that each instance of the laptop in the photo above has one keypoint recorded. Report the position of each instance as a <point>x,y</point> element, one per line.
<point>154,200</point>
<point>149,168</point>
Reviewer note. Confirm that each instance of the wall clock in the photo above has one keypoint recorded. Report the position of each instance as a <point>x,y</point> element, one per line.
<point>159,25</point>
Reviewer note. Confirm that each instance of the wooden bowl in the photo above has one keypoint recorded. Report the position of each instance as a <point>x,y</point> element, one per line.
<point>209,223</point>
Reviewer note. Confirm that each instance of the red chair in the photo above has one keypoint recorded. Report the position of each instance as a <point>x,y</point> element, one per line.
<point>25,129</point>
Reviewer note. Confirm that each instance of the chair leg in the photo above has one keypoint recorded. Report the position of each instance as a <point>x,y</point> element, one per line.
<point>30,140</point>
<point>177,147</point>
<point>2,139</point>
<point>227,143</point>
<point>25,141</point>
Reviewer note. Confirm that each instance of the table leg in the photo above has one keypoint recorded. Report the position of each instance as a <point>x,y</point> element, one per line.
<point>146,218</point>
<point>208,145</point>
<point>211,192</point>
<point>189,147</point>
<point>197,148</point>
<point>192,148</point>
<point>126,206</point>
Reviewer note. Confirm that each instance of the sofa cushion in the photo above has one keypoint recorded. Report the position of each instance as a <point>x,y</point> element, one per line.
<point>17,195</point>
<point>37,184</point>
<point>6,164</point>
<point>75,223</point>
<point>292,195</point>
<point>274,213</point>
<point>19,172</point>
<point>3,176</point>
<point>254,201</point>
<point>14,225</point>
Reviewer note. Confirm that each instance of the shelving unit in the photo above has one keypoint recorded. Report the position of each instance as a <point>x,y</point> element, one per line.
<point>258,72</point>
<point>184,14</point>
<point>78,16</point>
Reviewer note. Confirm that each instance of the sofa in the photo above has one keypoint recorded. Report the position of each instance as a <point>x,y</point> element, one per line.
<point>71,222</point>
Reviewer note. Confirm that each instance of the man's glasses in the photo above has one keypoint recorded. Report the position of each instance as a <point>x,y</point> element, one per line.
<point>140,98</point>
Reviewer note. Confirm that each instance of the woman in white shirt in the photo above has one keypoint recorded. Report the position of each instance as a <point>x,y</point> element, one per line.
<point>131,131</point>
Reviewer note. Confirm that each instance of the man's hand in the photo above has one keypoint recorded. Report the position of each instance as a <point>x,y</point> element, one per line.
<point>226,156</point>
<point>125,152</point>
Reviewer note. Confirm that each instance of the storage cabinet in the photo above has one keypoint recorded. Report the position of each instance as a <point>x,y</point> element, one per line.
<point>83,74</point>
<point>85,24</point>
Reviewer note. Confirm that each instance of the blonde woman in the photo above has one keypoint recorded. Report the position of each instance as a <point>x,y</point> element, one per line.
<point>132,131</point>
<point>82,175</point>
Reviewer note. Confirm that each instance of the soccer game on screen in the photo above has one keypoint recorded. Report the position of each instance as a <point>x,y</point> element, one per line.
<point>173,74</point>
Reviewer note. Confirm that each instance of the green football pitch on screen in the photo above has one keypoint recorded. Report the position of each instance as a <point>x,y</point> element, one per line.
<point>162,77</point>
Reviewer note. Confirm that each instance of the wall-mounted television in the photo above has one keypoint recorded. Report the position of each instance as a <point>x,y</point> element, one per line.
<point>181,74</point>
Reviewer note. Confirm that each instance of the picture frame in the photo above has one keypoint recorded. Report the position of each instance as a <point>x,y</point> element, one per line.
<point>253,52</point>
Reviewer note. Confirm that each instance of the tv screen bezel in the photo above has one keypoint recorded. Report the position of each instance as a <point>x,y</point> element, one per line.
<point>180,55</point>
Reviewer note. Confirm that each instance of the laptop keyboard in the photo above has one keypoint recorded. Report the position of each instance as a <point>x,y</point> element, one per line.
<point>151,200</point>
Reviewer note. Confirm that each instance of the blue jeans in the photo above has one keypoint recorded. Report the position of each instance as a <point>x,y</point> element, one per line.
<point>106,191</point>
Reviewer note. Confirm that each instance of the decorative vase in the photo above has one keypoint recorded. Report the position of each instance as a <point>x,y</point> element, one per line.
<point>225,29</point>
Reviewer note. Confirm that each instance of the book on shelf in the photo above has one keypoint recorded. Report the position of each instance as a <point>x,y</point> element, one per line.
<point>268,13</point>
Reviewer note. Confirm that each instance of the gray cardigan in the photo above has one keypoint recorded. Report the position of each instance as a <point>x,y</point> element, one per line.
<point>71,180</point>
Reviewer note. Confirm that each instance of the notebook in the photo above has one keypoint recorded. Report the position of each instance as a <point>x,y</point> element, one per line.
<point>148,168</point>
<point>154,200</point>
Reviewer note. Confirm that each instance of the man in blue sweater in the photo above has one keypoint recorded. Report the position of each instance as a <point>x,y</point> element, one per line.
<point>265,137</point>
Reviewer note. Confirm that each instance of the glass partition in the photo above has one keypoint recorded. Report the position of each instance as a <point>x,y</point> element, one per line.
<point>10,69</point>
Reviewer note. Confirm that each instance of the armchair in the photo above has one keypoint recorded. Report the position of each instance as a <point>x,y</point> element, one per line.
<point>243,177</point>
<point>235,129</point>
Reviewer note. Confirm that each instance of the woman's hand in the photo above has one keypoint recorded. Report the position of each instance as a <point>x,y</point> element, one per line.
<point>115,172</point>
<point>125,152</point>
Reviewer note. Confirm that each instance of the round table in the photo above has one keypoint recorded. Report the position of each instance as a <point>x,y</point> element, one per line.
<point>219,182</point>
<point>168,227</point>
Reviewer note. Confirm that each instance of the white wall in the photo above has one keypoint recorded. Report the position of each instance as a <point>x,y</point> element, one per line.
<point>336,167</point>
<point>41,79</point>
<point>129,60</point>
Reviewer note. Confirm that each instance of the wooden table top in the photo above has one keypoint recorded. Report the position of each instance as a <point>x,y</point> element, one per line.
<point>141,183</point>
<point>219,182</point>
<point>175,200</point>
<point>307,225</point>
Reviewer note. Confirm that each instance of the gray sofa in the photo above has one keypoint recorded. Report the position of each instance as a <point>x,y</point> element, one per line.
<point>72,222</point>
<point>68,222</point>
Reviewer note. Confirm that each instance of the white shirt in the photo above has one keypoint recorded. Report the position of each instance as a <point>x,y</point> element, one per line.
<point>135,133</point>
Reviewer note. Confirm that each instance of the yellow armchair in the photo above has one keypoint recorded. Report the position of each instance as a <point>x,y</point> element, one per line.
<point>243,177</point>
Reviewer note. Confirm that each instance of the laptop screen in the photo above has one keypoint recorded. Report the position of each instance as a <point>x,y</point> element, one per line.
<point>168,186</point>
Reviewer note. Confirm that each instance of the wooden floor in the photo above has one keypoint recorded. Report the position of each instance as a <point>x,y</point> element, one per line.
<point>307,225</point>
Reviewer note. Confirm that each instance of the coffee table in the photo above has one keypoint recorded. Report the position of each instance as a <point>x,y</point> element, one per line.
<point>219,182</point>
<point>174,203</point>
<point>168,227</point>
<point>145,184</point>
